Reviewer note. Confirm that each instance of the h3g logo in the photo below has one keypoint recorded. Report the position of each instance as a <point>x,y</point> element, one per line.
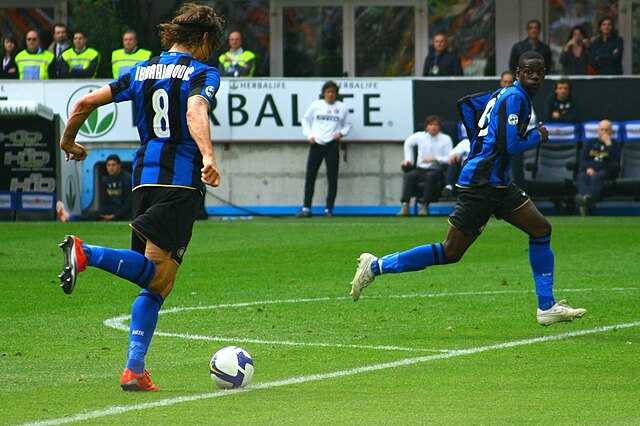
<point>100,121</point>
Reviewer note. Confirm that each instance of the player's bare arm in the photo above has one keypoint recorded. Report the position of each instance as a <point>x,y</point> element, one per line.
<point>82,109</point>
<point>198,123</point>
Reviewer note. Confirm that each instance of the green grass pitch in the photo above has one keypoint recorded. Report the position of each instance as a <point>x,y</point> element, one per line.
<point>456,344</point>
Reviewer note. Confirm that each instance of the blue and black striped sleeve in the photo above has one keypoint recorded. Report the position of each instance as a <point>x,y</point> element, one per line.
<point>206,84</point>
<point>517,116</point>
<point>121,88</point>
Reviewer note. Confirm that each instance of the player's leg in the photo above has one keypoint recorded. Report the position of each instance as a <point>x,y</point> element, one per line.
<point>144,318</point>
<point>332,163</point>
<point>418,258</point>
<point>529,219</point>
<point>471,213</point>
<point>123,263</point>
<point>162,230</point>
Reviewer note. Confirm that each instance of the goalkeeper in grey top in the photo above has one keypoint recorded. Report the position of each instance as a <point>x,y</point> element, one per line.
<point>324,124</point>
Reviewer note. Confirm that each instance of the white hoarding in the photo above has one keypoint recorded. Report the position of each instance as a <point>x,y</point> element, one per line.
<point>246,110</point>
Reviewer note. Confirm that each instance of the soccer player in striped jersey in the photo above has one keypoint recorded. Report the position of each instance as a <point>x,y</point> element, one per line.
<point>498,129</point>
<point>173,94</point>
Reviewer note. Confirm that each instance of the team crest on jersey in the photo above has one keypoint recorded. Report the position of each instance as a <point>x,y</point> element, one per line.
<point>512,119</point>
<point>210,91</point>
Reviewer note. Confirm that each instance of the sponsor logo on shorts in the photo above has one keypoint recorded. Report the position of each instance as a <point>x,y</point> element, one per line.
<point>181,251</point>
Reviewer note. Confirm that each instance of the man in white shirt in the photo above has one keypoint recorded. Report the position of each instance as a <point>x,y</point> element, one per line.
<point>324,124</point>
<point>433,155</point>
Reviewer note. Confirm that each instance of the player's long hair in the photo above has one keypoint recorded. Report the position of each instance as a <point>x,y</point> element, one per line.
<point>191,22</point>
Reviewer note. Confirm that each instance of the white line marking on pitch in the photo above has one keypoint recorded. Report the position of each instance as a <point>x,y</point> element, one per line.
<point>119,323</point>
<point>316,377</point>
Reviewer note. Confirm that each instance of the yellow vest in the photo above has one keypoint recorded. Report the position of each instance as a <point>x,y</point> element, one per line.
<point>34,66</point>
<point>228,68</point>
<point>122,62</point>
<point>81,60</point>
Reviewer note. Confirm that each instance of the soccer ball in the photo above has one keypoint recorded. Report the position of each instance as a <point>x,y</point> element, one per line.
<point>231,367</point>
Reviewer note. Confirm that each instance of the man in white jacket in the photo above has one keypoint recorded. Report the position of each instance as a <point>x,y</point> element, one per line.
<point>324,124</point>
<point>433,156</point>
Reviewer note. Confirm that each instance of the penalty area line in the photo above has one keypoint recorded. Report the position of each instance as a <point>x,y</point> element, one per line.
<point>322,376</point>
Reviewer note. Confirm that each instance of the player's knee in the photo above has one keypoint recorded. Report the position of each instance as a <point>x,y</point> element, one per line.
<point>164,279</point>
<point>542,229</point>
<point>451,253</point>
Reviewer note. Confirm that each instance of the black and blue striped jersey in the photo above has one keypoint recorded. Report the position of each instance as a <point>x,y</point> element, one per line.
<point>499,133</point>
<point>159,88</point>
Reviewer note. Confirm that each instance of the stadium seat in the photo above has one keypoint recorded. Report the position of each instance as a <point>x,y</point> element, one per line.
<point>627,185</point>
<point>590,130</point>
<point>551,165</point>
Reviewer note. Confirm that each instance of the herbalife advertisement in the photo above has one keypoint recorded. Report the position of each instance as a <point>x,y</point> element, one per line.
<point>246,110</point>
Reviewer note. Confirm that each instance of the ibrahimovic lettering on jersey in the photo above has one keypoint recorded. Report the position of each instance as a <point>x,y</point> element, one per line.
<point>160,71</point>
<point>168,155</point>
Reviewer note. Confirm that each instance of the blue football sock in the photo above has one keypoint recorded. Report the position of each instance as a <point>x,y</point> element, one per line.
<point>144,317</point>
<point>541,259</point>
<point>126,264</point>
<point>415,259</point>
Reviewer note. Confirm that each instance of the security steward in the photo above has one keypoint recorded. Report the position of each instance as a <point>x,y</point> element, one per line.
<point>237,62</point>
<point>34,62</point>
<point>80,61</point>
<point>122,60</point>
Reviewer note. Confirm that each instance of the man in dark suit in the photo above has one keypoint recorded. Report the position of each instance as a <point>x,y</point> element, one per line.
<point>532,42</point>
<point>440,60</point>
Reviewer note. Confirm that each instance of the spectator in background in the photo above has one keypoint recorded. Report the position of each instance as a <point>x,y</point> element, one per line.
<point>59,44</point>
<point>433,148</point>
<point>562,106</point>
<point>606,50</point>
<point>507,78</point>
<point>575,53</point>
<point>324,124</point>
<point>35,63</point>
<point>122,60</point>
<point>237,62</point>
<point>440,60</point>
<point>532,42</point>
<point>457,155</point>
<point>80,61</point>
<point>9,67</point>
<point>115,198</point>
<point>60,41</point>
<point>599,162</point>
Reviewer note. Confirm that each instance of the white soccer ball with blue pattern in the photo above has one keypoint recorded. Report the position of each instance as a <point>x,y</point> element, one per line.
<point>231,367</point>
